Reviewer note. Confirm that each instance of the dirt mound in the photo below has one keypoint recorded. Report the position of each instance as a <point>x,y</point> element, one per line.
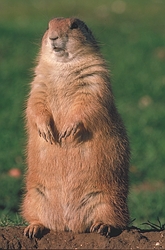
<point>12,238</point>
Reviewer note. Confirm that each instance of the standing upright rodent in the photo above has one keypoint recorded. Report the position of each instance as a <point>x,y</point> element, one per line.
<point>78,151</point>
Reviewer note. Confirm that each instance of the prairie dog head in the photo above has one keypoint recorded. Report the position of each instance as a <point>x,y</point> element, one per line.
<point>66,39</point>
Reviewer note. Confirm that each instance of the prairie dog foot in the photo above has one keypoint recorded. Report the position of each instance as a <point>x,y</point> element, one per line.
<point>101,228</point>
<point>34,230</point>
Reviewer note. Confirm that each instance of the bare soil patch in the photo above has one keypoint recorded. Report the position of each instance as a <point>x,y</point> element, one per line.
<point>13,238</point>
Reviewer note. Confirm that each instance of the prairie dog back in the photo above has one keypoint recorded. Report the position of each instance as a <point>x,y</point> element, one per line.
<point>78,151</point>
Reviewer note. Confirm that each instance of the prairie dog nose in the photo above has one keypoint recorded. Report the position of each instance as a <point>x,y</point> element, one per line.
<point>53,34</point>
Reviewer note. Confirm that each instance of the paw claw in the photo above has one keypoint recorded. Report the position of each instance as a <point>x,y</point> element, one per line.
<point>65,134</point>
<point>72,129</point>
<point>101,228</point>
<point>47,135</point>
<point>33,230</point>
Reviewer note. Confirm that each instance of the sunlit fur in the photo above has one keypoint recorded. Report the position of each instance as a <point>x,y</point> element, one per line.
<point>78,151</point>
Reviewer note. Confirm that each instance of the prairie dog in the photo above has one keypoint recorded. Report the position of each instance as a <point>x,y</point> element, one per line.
<point>78,151</point>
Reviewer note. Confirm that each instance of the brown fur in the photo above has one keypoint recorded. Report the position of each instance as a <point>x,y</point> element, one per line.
<point>78,152</point>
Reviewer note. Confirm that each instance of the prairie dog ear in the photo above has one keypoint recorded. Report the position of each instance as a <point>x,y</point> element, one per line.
<point>74,25</point>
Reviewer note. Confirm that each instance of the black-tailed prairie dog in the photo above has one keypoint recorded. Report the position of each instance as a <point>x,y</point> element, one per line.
<point>78,151</point>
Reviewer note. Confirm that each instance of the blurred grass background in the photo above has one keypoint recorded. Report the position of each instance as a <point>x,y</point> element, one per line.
<point>132,38</point>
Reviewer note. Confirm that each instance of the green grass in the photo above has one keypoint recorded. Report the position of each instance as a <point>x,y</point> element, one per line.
<point>133,43</point>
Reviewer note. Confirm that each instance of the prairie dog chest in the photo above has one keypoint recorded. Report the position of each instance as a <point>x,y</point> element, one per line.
<point>66,88</point>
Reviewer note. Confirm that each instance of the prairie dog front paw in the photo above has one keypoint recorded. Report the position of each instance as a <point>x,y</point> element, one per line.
<point>70,129</point>
<point>44,127</point>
